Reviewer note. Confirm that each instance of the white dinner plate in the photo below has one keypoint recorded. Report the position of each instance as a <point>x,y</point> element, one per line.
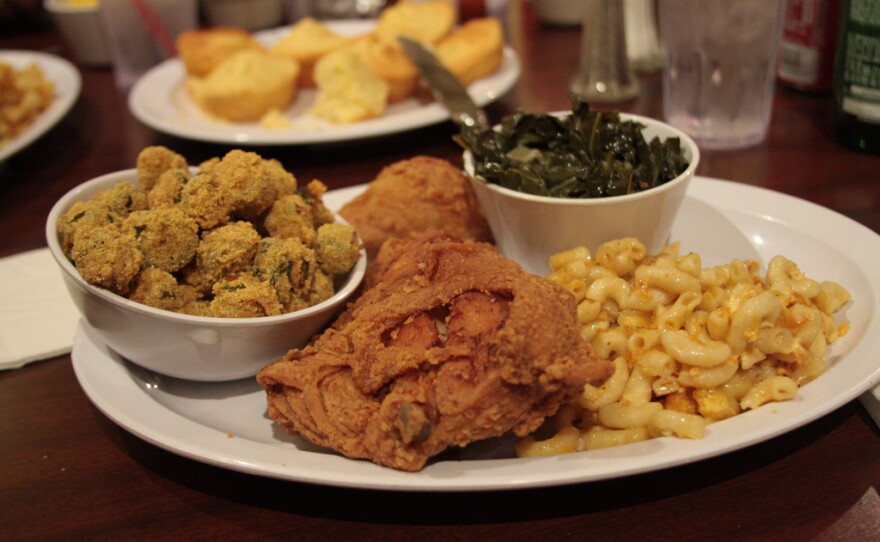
<point>68,84</point>
<point>159,99</point>
<point>225,424</point>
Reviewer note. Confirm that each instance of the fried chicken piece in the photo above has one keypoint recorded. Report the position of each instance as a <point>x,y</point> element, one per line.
<point>454,344</point>
<point>389,255</point>
<point>415,195</point>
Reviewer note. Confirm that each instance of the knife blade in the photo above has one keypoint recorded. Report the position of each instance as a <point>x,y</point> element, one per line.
<point>445,87</point>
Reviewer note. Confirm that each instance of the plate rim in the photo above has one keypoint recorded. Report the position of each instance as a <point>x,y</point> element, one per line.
<point>201,441</point>
<point>68,86</point>
<point>158,79</point>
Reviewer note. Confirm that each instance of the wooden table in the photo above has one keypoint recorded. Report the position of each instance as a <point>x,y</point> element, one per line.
<point>68,472</point>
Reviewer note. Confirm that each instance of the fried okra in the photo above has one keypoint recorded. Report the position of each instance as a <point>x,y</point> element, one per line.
<point>314,196</point>
<point>227,250</point>
<point>246,178</point>
<point>107,257</point>
<point>167,237</point>
<point>288,265</point>
<point>291,216</point>
<point>82,215</point>
<point>236,237</point>
<point>322,288</point>
<point>123,198</point>
<point>206,199</point>
<point>168,189</point>
<point>154,161</point>
<point>285,181</point>
<point>244,296</point>
<point>158,288</point>
<point>338,248</point>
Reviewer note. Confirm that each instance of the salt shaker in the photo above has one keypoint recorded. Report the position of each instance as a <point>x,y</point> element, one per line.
<point>604,73</point>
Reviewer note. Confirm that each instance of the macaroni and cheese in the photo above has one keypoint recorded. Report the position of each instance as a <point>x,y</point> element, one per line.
<point>690,345</point>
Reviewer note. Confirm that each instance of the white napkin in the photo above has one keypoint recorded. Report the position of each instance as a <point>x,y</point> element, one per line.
<point>871,401</point>
<point>37,317</point>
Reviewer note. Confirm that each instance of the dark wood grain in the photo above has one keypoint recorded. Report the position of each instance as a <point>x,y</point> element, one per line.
<point>68,473</point>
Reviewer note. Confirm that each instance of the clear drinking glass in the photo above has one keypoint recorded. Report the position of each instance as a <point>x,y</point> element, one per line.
<point>719,77</point>
<point>142,33</point>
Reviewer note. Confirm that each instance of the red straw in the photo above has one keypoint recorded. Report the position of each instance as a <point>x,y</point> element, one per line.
<point>156,26</point>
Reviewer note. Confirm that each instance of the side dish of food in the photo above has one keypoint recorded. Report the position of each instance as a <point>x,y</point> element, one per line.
<point>236,237</point>
<point>549,181</point>
<point>24,94</point>
<point>581,154</point>
<point>690,345</point>
<point>234,77</point>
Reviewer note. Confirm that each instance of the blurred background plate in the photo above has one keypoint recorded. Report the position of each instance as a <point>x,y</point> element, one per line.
<point>159,99</point>
<point>68,84</point>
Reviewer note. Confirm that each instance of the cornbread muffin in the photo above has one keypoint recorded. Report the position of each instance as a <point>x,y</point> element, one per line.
<point>422,21</point>
<point>348,91</point>
<point>202,50</point>
<point>387,59</point>
<point>307,41</point>
<point>246,86</point>
<point>473,50</point>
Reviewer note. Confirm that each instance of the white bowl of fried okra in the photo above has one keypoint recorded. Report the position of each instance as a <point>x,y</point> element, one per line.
<point>205,272</point>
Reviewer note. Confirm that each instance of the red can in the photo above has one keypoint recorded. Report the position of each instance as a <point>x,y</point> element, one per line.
<point>806,48</point>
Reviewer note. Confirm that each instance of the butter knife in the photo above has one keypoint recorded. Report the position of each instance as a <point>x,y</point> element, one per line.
<point>445,87</point>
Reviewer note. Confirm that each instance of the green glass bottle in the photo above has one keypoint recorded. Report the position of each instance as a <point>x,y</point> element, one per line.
<point>857,77</point>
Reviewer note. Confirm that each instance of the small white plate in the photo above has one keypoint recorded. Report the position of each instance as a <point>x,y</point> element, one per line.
<point>68,84</point>
<point>159,99</point>
<point>225,424</point>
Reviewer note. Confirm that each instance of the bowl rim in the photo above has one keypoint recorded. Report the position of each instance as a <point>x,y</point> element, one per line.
<point>351,284</point>
<point>687,142</point>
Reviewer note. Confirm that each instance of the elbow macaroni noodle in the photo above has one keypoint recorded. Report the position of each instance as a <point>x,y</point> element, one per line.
<point>690,346</point>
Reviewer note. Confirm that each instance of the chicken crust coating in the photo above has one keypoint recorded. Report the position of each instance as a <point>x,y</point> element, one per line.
<point>454,344</point>
<point>416,195</point>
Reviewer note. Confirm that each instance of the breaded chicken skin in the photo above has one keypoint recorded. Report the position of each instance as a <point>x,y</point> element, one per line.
<point>454,344</point>
<point>416,195</point>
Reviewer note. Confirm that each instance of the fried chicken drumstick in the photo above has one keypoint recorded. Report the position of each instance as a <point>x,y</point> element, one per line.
<point>453,344</point>
<point>416,195</point>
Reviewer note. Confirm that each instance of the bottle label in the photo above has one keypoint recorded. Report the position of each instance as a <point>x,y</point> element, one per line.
<point>806,47</point>
<point>798,63</point>
<point>861,61</point>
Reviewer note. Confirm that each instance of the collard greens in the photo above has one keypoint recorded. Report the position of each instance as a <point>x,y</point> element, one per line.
<point>587,154</point>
